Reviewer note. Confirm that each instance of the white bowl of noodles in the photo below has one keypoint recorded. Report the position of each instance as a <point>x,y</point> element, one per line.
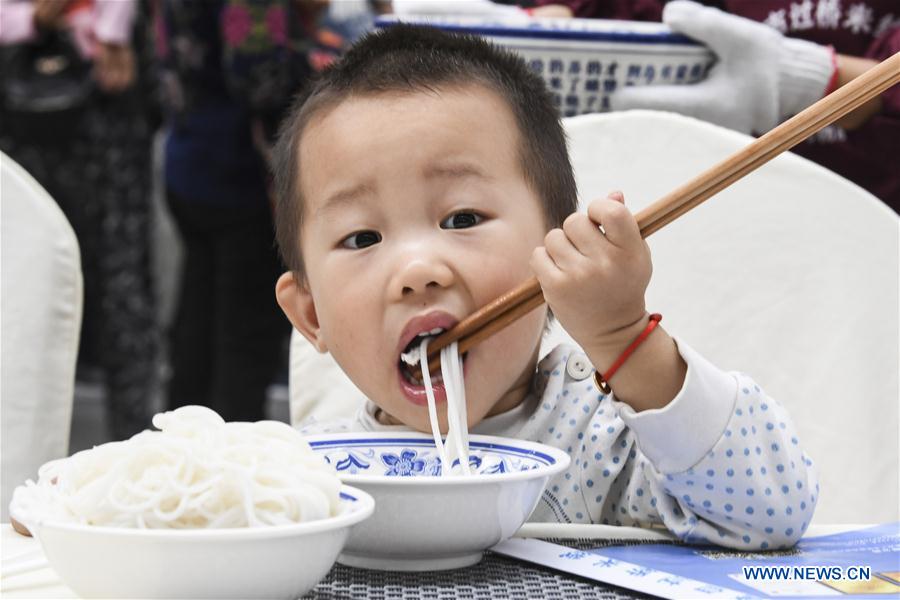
<point>424,521</point>
<point>200,509</point>
<point>280,561</point>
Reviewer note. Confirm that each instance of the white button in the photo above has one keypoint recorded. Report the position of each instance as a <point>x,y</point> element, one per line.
<point>578,367</point>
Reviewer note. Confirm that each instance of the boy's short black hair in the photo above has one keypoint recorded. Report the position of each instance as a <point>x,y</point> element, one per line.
<point>415,58</point>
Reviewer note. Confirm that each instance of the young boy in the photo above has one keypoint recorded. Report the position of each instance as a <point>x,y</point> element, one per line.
<point>426,174</point>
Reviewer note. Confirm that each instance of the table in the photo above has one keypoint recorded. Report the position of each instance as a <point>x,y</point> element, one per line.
<point>494,577</point>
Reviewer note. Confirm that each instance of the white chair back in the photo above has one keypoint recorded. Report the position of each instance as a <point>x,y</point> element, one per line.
<point>40,310</point>
<point>319,390</point>
<point>790,275</point>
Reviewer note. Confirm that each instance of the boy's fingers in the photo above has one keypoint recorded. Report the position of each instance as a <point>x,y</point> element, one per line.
<point>617,196</point>
<point>584,234</point>
<point>564,254</point>
<point>542,264</point>
<point>618,223</point>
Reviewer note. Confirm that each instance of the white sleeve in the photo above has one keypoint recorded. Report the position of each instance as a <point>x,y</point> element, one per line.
<point>677,436</point>
<point>721,463</point>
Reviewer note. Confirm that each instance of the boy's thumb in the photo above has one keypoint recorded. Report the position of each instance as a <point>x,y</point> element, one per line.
<point>617,196</point>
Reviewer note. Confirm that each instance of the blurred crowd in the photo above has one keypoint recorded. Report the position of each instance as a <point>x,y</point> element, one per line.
<point>85,85</point>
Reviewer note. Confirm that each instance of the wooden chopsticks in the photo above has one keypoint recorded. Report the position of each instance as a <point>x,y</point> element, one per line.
<point>521,300</point>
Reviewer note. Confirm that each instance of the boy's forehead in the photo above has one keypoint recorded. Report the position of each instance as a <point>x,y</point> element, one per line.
<point>467,129</point>
<point>365,114</point>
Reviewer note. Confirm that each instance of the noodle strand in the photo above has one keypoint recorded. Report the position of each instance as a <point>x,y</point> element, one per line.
<point>196,472</point>
<point>456,448</point>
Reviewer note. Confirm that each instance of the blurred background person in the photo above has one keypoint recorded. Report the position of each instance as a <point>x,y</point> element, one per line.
<point>76,113</point>
<point>230,68</point>
<point>775,58</point>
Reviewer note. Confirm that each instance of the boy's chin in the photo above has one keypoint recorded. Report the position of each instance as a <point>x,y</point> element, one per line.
<point>418,422</point>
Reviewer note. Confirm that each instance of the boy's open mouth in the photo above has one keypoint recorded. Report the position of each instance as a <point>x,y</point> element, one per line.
<point>409,362</point>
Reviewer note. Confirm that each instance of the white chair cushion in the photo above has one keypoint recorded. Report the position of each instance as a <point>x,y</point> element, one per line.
<point>41,317</point>
<point>319,390</point>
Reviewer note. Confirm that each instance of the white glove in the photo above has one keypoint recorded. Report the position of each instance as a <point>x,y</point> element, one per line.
<point>477,8</point>
<point>759,79</point>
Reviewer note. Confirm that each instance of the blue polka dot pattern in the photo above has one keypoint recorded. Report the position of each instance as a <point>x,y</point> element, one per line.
<point>750,453</point>
<point>752,489</point>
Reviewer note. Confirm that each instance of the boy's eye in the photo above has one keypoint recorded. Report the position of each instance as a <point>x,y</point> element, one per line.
<point>361,239</point>
<point>461,220</point>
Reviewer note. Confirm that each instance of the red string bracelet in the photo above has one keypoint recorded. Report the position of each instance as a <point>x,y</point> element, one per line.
<point>833,80</point>
<point>601,380</point>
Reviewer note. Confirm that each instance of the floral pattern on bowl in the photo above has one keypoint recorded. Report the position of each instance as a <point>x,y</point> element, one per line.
<point>415,457</point>
<point>425,522</point>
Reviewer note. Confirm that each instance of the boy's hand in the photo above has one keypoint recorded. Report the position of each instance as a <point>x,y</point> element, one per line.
<point>595,282</point>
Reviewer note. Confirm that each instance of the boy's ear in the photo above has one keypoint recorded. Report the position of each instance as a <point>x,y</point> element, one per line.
<point>297,303</point>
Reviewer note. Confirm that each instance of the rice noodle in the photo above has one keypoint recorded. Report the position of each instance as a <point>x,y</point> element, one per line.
<point>454,454</point>
<point>196,472</point>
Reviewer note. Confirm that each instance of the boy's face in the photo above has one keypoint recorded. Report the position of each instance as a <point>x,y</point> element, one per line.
<point>416,213</point>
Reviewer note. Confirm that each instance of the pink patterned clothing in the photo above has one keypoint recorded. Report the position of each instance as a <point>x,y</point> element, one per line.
<point>107,21</point>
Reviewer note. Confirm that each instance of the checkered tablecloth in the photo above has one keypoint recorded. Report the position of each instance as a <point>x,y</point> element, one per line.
<point>495,577</point>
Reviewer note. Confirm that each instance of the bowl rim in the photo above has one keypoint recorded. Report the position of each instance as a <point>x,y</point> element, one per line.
<point>361,505</point>
<point>561,459</point>
<point>597,30</point>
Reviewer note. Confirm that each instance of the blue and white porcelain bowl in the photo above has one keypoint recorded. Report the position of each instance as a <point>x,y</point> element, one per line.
<point>424,521</point>
<point>584,61</point>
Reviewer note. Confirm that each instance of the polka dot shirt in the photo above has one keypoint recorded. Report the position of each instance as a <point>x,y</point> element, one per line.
<point>720,464</point>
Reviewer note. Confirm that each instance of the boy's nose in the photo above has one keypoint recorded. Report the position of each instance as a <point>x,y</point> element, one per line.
<point>421,275</point>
